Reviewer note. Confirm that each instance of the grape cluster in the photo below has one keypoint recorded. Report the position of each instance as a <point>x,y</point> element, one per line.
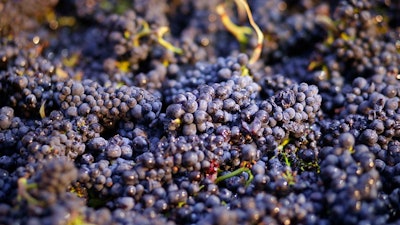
<point>155,112</point>
<point>107,105</point>
<point>348,171</point>
<point>43,195</point>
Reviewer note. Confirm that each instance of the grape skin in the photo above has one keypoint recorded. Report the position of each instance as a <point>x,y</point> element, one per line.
<point>101,123</point>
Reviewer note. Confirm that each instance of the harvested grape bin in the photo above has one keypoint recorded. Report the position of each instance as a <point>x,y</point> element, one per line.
<point>153,112</point>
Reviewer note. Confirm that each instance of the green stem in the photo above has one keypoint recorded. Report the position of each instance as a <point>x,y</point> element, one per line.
<point>160,33</point>
<point>235,173</point>
<point>239,32</point>
<point>281,150</point>
<point>283,144</point>
<point>23,187</point>
<point>144,32</point>
<point>260,36</point>
<point>287,162</point>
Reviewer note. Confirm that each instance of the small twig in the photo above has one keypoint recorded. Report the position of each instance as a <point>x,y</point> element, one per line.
<point>143,32</point>
<point>23,188</point>
<point>238,31</point>
<point>260,36</point>
<point>235,173</point>
<point>160,33</point>
<point>42,112</point>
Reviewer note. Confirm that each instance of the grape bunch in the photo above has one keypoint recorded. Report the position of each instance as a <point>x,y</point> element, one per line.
<point>199,112</point>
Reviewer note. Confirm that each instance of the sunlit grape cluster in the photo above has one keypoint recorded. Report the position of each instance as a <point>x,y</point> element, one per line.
<point>167,112</point>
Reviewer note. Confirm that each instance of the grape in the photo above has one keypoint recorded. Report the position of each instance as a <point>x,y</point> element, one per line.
<point>155,112</point>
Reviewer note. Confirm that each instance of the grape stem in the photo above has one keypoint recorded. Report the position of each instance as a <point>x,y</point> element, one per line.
<point>260,36</point>
<point>235,173</point>
<point>146,31</point>
<point>240,32</point>
<point>143,32</point>
<point>160,33</point>
<point>23,187</point>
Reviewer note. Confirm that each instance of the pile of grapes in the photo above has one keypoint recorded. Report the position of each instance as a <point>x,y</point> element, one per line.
<point>256,112</point>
